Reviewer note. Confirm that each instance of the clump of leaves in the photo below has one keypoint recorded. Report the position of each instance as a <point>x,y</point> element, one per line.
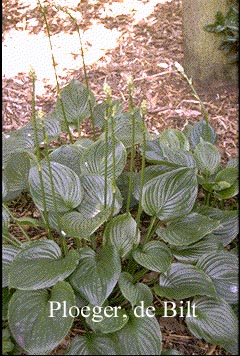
<point>227,28</point>
<point>98,203</point>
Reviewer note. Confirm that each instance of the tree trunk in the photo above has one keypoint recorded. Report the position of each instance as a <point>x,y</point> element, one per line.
<point>203,61</point>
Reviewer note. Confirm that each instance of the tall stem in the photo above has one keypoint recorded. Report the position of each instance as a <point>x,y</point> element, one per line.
<point>132,111</point>
<point>55,70</point>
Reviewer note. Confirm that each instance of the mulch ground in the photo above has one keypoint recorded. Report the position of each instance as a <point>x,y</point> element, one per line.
<point>149,41</point>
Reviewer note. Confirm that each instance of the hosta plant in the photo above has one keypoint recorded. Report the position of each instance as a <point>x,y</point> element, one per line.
<point>129,216</point>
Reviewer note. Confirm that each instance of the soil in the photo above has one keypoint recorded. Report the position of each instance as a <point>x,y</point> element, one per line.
<point>124,38</point>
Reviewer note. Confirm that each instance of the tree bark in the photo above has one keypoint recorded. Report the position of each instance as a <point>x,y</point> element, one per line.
<point>203,61</point>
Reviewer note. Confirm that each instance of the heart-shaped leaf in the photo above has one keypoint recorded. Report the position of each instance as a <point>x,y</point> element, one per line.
<point>8,254</point>
<point>228,175</point>
<point>216,322</point>
<point>122,232</point>
<point>150,172</point>
<point>184,281</point>
<point>192,253</point>
<point>170,195</point>
<point>68,156</point>
<point>140,336</point>
<point>75,224</point>
<point>207,157</point>
<point>107,319</point>
<point>154,255</point>
<point>66,185</point>
<point>222,267</point>
<point>188,229</point>
<point>16,171</point>
<point>228,229</point>
<point>40,265</point>
<point>97,196</point>
<point>228,193</point>
<point>203,130</point>
<point>92,344</point>
<point>5,219</point>
<point>99,158</point>
<point>74,104</point>
<point>175,139</point>
<point>123,128</point>
<point>30,322</point>
<point>93,278</point>
<point>134,292</point>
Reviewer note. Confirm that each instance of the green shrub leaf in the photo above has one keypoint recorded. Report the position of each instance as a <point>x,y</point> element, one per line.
<point>154,255</point>
<point>184,281</point>
<point>29,320</point>
<point>94,196</point>
<point>134,292</point>
<point>104,321</point>
<point>140,336</point>
<point>16,171</point>
<point>216,322</point>
<point>75,98</point>
<point>93,278</point>
<point>170,195</point>
<point>222,268</point>
<point>192,253</point>
<point>75,224</point>
<point>203,130</point>
<point>188,229</point>
<point>40,265</point>
<point>122,232</point>
<point>228,229</point>
<point>66,184</point>
<point>92,344</point>
<point>207,157</point>
<point>94,158</point>
<point>8,254</point>
<point>175,139</point>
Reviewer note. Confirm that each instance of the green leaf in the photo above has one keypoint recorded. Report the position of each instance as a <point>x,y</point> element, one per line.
<point>16,171</point>
<point>105,320</point>
<point>123,127</point>
<point>134,292</point>
<point>216,322</point>
<point>188,229</point>
<point>92,344</point>
<point>140,336</point>
<point>174,139</point>
<point>170,195</point>
<point>5,219</point>
<point>154,255</point>
<point>184,281</point>
<point>66,184</point>
<point>94,158</point>
<point>75,224</point>
<point>8,254</point>
<point>122,233</point>
<point>207,157</point>
<point>228,229</point>
<point>222,268</point>
<point>40,265</point>
<point>158,152</point>
<point>228,176</point>
<point>68,156</point>
<point>150,172</point>
<point>74,103</point>
<point>30,322</point>
<point>233,162</point>
<point>7,344</point>
<point>192,253</point>
<point>94,196</point>
<point>203,130</point>
<point>229,192</point>
<point>27,221</point>
<point>93,278</point>
<point>122,183</point>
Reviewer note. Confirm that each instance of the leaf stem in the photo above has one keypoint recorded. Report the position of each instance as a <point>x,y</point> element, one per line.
<point>16,222</point>
<point>151,230</point>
